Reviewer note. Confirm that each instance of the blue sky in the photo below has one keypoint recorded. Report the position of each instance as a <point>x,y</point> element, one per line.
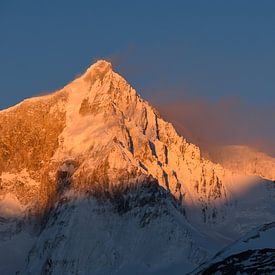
<point>168,50</point>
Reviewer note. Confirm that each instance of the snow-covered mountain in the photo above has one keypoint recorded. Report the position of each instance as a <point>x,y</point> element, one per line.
<point>93,180</point>
<point>252,254</point>
<point>244,160</point>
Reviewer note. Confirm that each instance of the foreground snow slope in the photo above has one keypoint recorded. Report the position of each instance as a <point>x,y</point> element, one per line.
<point>97,139</point>
<point>255,252</point>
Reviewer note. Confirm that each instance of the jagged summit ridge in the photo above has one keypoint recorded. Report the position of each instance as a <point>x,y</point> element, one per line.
<point>94,71</point>
<point>107,106</point>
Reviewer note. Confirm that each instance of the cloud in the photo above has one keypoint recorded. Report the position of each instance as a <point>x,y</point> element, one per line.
<point>227,121</point>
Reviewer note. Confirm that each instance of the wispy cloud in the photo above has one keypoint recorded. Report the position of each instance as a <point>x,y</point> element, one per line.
<point>228,121</point>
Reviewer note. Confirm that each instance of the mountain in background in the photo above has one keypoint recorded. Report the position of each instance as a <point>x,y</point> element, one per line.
<point>94,181</point>
<point>244,160</point>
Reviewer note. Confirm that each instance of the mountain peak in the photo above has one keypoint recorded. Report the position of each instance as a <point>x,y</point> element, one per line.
<point>98,69</point>
<point>101,64</point>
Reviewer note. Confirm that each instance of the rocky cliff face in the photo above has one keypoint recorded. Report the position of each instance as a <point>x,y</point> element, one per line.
<point>97,139</point>
<point>28,140</point>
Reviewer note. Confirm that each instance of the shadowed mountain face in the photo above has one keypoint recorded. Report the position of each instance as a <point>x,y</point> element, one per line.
<point>97,159</point>
<point>118,232</point>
